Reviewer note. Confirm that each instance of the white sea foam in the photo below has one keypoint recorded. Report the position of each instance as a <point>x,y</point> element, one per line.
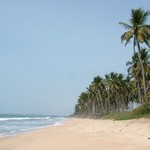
<point>6,119</point>
<point>23,118</point>
<point>16,125</point>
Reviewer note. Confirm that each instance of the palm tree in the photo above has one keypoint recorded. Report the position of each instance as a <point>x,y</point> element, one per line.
<point>83,100</point>
<point>91,100</point>
<point>81,107</point>
<point>139,32</point>
<point>98,87</point>
<point>130,91</point>
<point>136,70</point>
<point>107,81</point>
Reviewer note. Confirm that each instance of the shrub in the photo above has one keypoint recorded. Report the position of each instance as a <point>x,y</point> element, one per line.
<point>142,110</point>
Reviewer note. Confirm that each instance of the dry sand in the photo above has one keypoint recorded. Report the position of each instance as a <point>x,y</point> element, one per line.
<point>84,134</point>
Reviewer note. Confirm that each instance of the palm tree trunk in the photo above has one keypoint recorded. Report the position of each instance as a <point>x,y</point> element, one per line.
<point>116,101</point>
<point>143,74</point>
<point>134,40</point>
<point>93,108</point>
<point>102,104</point>
<point>139,93</point>
<point>99,107</point>
<point>108,99</point>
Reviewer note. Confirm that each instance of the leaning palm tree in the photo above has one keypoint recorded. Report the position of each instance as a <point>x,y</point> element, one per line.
<point>136,70</point>
<point>81,107</point>
<point>91,100</point>
<point>139,32</point>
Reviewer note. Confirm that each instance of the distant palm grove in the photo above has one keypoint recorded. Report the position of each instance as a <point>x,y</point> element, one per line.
<point>116,92</point>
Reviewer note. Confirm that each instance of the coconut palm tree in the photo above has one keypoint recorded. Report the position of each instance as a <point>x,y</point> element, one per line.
<point>106,82</point>
<point>139,32</point>
<point>81,107</point>
<point>98,87</point>
<point>114,87</point>
<point>136,71</point>
<point>117,91</point>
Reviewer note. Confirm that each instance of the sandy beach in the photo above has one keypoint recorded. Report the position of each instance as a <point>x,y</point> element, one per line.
<point>84,134</point>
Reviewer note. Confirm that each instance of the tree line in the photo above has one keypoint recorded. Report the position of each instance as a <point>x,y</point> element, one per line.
<point>115,91</point>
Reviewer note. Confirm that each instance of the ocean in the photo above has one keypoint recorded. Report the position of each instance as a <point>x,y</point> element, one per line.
<point>17,124</point>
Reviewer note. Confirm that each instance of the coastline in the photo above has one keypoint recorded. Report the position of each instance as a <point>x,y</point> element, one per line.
<point>11,124</point>
<point>84,134</point>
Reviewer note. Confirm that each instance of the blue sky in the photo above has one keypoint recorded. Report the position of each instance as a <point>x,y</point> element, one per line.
<point>50,50</point>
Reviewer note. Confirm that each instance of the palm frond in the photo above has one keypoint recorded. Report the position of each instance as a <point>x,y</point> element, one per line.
<point>125,25</point>
<point>143,35</point>
<point>147,43</point>
<point>127,36</point>
<point>145,16</point>
<point>138,16</point>
<point>147,26</point>
<point>129,63</point>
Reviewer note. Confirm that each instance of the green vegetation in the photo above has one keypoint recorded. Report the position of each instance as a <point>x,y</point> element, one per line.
<point>115,92</point>
<point>142,110</point>
<point>125,116</point>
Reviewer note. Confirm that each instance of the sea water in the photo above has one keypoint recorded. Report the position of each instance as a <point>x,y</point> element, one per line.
<point>16,124</point>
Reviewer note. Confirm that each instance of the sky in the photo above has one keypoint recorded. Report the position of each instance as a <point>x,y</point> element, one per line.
<point>50,50</point>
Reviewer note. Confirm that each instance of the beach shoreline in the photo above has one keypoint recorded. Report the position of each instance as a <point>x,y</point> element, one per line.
<point>84,134</point>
